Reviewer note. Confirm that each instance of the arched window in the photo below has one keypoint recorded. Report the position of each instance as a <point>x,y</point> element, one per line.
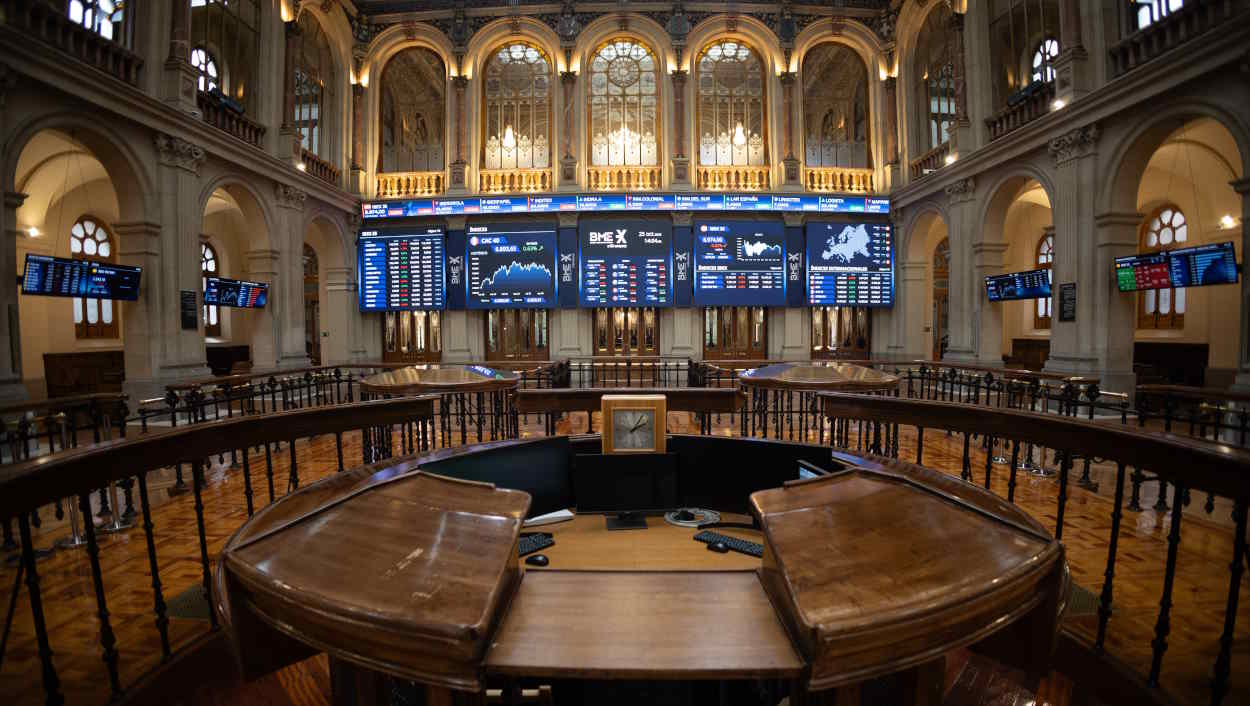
<point>516,102</point>
<point>1149,13</point>
<point>314,88</point>
<point>936,72</point>
<point>209,267</point>
<point>93,318</point>
<point>1044,60</point>
<point>206,65</point>
<point>731,106</point>
<point>1045,259</point>
<point>228,32</point>
<point>835,108</point>
<point>413,88</point>
<point>622,105</point>
<point>104,17</point>
<point>1165,229</point>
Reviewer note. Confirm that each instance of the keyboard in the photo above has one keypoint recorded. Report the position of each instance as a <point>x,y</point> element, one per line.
<point>531,543</point>
<point>741,546</point>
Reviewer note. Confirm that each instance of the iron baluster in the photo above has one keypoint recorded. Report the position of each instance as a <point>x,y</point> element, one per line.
<point>51,684</point>
<point>1164,626</point>
<point>197,485</point>
<point>1104,600</point>
<point>107,640</point>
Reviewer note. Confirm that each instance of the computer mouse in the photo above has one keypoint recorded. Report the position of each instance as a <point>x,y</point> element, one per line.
<point>719,547</point>
<point>542,560</point>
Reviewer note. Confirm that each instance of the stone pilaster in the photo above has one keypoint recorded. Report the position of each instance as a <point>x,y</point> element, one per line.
<point>289,138</point>
<point>791,175</point>
<point>356,182</point>
<point>988,260</point>
<point>964,312</point>
<point>178,184</point>
<point>264,265</point>
<point>179,78</point>
<point>1242,187</point>
<point>460,165</point>
<point>1113,314</point>
<point>1072,70</point>
<point>338,314</point>
<point>11,387</point>
<point>139,244</point>
<point>681,160</point>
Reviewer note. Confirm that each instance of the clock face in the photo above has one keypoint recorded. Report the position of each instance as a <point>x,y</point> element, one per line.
<point>633,429</point>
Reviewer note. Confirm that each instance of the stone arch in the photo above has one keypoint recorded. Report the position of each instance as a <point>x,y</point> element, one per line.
<point>335,308</point>
<point>254,208</point>
<point>643,29</point>
<point>911,20</point>
<point>926,225</point>
<point>1002,194</point>
<point>859,39</point>
<point>339,36</point>
<point>504,30</point>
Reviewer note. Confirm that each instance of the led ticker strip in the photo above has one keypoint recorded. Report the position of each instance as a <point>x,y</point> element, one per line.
<point>590,203</point>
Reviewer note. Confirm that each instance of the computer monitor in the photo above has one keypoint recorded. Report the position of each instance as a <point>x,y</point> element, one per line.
<point>539,467</point>
<point>720,473</point>
<point>627,487</point>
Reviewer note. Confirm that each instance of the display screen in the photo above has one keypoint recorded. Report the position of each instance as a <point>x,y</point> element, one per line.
<point>234,292</point>
<point>591,203</point>
<point>1187,267</point>
<point>625,262</point>
<point>58,277</point>
<point>739,263</point>
<point>850,264</point>
<point>510,266</point>
<point>1034,284</point>
<point>401,269</point>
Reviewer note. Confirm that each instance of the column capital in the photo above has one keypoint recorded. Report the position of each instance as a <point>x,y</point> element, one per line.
<point>679,76</point>
<point>962,190</point>
<point>787,78</point>
<point>1241,186</point>
<point>291,29</point>
<point>262,261</point>
<point>14,199</point>
<point>1118,218</point>
<point>567,220</point>
<point>459,82</point>
<point>792,220</point>
<point>568,77</point>
<point>178,153</point>
<point>683,218</point>
<point>289,196</point>
<point>1076,143</point>
<point>358,89</point>
<point>457,222</point>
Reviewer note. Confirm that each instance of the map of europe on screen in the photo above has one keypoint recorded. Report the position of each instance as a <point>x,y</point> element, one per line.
<point>850,264</point>
<point>849,247</point>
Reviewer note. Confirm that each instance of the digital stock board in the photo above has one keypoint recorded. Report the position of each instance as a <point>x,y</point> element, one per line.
<point>1034,284</point>
<point>60,277</point>
<point>1198,266</point>
<point>401,268</point>
<point>591,203</point>
<point>510,266</point>
<point>224,291</point>
<point>739,263</point>
<point>625,262</point>
<point>850,263</point>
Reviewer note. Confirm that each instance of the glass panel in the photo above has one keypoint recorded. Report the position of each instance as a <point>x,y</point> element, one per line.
<point>1165,301</point>
<point>78,306</point>
<point>1149,297</point>
<point>405,330</point>
<point>412,105</point>
<point>835,103</point>
<point>517,105</point>
<point>93,311</point>
<point>225,41</point>
<point>419,319</point>
<point>1180,300</point>
<point>492,331</point>
<point>621,103</point>
<point>730,108</point>
<point>106,310</point>
<point>436,332</point>
<point>388,336</point>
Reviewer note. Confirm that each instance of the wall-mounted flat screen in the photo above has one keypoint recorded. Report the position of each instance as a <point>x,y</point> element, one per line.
<point>1034,284</point>
<point>401,269</point>
<point>235,292</point>
<point>850,263</point>
<point>58,277</point>
<point>739,263</point>
<point>510,266</point>
<point>625,262</point>
<point>1198,266</point>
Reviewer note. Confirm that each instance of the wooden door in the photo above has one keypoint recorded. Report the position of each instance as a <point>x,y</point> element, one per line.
<point>517,334</point>
<point>625,332</point>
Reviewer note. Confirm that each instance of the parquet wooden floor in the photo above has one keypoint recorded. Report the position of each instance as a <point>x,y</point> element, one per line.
<point>1200,590</point>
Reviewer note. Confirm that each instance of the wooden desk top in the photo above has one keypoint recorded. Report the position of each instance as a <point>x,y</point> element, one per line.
<point>641,625</point>
<point>829,375</point>
<point>584,544</point>
<point>435,377</point>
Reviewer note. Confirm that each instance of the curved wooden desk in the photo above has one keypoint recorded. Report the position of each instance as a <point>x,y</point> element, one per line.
<point>826,377</point>
<point>434,378</point>
<point>416,576</point>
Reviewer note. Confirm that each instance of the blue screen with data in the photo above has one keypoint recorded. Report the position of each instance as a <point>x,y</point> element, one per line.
<point>510,266</point>
<point>401,269</point>
<point>625,262</point>
<point>850,263</point>
<point>739,263</point>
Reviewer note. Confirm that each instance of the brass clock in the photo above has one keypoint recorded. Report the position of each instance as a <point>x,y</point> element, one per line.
<point>634,423</point>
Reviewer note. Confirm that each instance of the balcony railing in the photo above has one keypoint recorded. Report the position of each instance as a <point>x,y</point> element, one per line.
<point>1025,106</point>
<point>225,118</point>
<point>1172,30</point>
<point>930,161</point>
<point>393,185</point>
<point>319,168</point>
<point>838,180</point>
<point>622,178</point>
<point>733,178</point>
<point>44,22</point>
<point>513,181</point>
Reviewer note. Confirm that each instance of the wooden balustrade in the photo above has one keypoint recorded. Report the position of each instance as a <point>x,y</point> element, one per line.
<point>930,161</point>
<point>514,181</point>
<point>223,118</point>
<point>1170,31</point>
<point>394,185</point>
<point>1032,105</point>
<point>733,178</point>
<point>319,167</point>
<point>838,180</point>
<point>622,178</point>
<point>48,23</point>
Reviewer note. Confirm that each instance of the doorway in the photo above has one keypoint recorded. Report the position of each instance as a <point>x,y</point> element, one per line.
<point>841,333</point>
<point>412,337</point>
<point>622,332</point>
<point>312,306</point>
<point>735,333</point>
<point>517,334</point>
<point>941,298</point>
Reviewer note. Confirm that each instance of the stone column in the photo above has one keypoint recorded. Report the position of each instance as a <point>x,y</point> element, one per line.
<point>988,260</point>
<point>568,159</point>
<point>790,165</point>
<point>891,121</point>
<point>289,138</point>
<point>357,183</point>
<point>337,309</point>
<point>11,387</point>
<point>289,242</point>
<point>960,71</point>
<point>178,83</point>
<point>139,244</point>
<point>1242,187</point>
<point>1072,70</point>
<point>964,311</point>
<point>681,161</point>
<point>1113,313</point>
<point>263,266</point>
<point>178,185</point>
<point>911,339</point>
<point>459,166</point>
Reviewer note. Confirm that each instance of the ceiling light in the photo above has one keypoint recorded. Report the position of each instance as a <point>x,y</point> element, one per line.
<point>302,167</point>
<point>1227,222</point>
<point>740,137</point>
<point>1058,104</point>
<point>34,232</point>
<point>509,138</point>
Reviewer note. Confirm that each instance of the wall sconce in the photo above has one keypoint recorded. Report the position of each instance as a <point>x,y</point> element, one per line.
<point>302,167</point>
<point>950,158</point>
<point>1058,104</point>
<point>1226,223</point>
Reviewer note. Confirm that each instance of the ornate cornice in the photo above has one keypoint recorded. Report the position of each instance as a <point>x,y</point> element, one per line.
<point>288,196</point>
<point>1075,143</point>
<point>177,152</point>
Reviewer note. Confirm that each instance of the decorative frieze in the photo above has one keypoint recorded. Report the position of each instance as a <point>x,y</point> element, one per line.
<point>1073,144</point>
<point>177,152</point>
<point>288,196</point>
<point>962,190</point>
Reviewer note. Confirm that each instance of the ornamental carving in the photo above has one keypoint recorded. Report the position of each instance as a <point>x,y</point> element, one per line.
<point>961,190</point>
<point>288,196</point>
<point>1076,143</point>
<point>177,152</point>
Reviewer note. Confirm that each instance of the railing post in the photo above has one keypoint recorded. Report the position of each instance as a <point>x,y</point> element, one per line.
<point>51,684</point>
<point>1163,625</point>
<point>1223,663</point>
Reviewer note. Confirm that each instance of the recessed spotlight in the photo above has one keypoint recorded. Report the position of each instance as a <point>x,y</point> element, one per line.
<point>302,167</point>
<point>1227,222</point>
<point>1058,104</point>
<point>34,232</point>
<point>950,159</point>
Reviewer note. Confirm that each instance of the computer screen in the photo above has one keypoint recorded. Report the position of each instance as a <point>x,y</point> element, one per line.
<point>401,269</point>
<point>850,263</point>
<point>58,277</point>
<point>1034,284</point>
<point>625,483</point>
<point>739,263</point>
<point>720,473</point>
<point>510,266</point>
<point>235,292</point>
<point>540,468</point>
<point>1198,266</point>
<point>625,262</point>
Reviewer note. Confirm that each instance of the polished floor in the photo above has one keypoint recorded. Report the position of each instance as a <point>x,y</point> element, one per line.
<point>1200,591</point>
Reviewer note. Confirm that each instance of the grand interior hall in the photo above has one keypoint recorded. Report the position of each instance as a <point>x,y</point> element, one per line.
<point>816,352</point>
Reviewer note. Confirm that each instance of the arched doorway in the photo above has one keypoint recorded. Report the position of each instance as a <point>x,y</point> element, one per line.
<point>312,306</point>
<point>234,233</point>
<point>941,299</point>
<point>1018,216</point>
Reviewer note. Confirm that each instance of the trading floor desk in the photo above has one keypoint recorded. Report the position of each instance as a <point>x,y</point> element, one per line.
<point>869,575</point>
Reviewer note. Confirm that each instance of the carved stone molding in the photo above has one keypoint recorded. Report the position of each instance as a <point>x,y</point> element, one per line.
<point>288,196</point>
<point>177,152</point>
<point>1076,143</point>
<point>962,190</point>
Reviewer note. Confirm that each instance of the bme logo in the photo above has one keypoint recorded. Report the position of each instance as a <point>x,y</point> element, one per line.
<point>608,237</point>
